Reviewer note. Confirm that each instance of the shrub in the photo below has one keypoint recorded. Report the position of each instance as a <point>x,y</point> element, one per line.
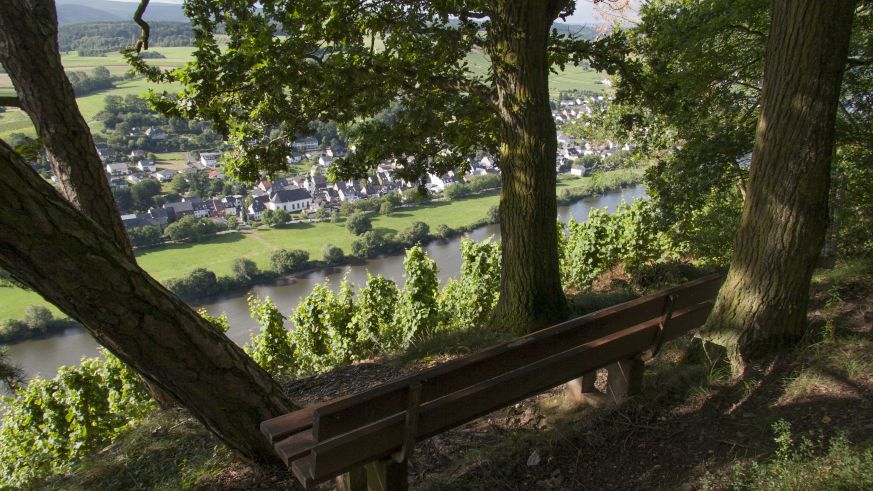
<point>386,208</point>
<point>286,261</point>
<point>51,424</point>
<point>144,236</point>
<point>193,229</point>
<point>417,233</point>
<point>199,282</point>
<point>37,317</point>
<point>358,223</point>
<point>332,254</point>
<point>416,315</point>
<point>367,245</point>
<point>322,335</point>
<point>244,269</point>
<point>232,222</point>
<point>374,312</point>
<point>271,348</point>
<point>468,301</point>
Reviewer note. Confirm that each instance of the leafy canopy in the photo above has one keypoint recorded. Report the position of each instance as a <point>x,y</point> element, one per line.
<point>394,74</point>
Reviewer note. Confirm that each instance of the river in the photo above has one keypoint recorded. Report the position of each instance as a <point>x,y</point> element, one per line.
<point>45,355</point>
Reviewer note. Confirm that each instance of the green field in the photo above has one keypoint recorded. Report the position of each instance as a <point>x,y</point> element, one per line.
<point>219,253</point>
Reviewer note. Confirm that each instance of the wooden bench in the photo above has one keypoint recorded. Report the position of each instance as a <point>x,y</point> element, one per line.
<point>367,438</point>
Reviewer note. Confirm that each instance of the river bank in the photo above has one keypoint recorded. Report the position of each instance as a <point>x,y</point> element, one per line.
<point>45,355</point>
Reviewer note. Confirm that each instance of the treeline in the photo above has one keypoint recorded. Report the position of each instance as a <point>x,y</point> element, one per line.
<point>38,322</point>
<point>94,81</point>
<point>98,38</point>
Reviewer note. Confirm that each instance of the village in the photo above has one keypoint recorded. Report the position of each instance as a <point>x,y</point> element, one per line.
<point>311,196</point>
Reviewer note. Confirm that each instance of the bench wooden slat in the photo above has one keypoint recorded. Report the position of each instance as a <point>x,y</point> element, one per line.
<point>342,416</point>
<point>377,440</point>
<point>280,427</point>
<point>295,446</point>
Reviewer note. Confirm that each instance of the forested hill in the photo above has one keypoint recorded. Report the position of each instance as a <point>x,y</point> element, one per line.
<point>77,11</point>
<point>96,38</point>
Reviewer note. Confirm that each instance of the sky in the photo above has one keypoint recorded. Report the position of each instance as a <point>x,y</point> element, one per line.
<point>584,11</point>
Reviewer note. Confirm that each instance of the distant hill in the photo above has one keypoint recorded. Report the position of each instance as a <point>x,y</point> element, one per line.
<point>79,11</point>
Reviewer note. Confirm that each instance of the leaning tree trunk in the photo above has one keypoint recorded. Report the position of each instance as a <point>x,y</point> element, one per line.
<point>73,263</point>
<point>29,52</point>
<point>531,296</point>
<point>763,302</point>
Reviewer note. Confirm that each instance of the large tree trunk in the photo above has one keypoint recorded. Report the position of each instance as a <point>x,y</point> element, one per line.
<point>763,303</point>
<point>74,264</point>
<point>29,52</point>
<point>531,296</point>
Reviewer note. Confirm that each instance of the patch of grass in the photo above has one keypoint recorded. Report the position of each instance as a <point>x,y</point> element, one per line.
<point>15,300</point>
<point>843,272</point>
<point>168,450</point>
<point>802,464</point>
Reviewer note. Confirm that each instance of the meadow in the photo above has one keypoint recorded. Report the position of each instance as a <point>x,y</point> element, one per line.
<point>218,253</point>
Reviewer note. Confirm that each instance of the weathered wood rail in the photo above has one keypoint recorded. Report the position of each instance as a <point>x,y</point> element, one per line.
<point>367,438</point>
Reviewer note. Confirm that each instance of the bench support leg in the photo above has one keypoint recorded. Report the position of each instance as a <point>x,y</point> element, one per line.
<point>354,480</point>
<point>387,475</point>
<point>582,391</point>
<point>625,379</point>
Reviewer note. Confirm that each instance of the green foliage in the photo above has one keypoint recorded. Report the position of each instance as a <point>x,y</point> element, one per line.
<point>143,193</point>
<point>630,236</point>
<point>232,222</point>
<point>219,323</point>
<point>99,38</point>
<point>372,321</point>
<point>476,185</point>
<point>417,233</point>
<point>286,261</point>
<point>244,269</point>
<point>358,223</point>
<point>51,424</point>
<point>368,245</point>
<point>144,236</point>
<point>467,302</point>
<point>37,317</point>
<point>386,208</point>
<point>271,348</point>
<point>85,83</point>
<point>416,315</point>
<point>193,229</point>
<point>805,463</point>
<point>198,283</point>
<point>332,254</point>
<point>322,335</point>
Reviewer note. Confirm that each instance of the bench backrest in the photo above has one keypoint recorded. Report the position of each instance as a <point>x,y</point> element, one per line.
<point>360,428</point>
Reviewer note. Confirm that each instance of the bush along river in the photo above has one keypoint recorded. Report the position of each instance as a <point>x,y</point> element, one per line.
<point>43,356</point>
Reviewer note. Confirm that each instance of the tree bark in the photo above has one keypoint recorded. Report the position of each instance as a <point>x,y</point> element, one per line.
<point>763,303</point>
<point>531,296</point>
<point>72,262</point>
<point>29,52</point>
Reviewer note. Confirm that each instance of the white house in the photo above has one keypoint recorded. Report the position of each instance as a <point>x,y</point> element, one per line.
<point>290,200</point>
<point>325,160</point>
<point>305,144</point>
<point>210,159</point>
<point>439,183</point>
<point>119,169</point>
<point>164,175</point>
<point>155,133</point>
<point>146,165</point>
